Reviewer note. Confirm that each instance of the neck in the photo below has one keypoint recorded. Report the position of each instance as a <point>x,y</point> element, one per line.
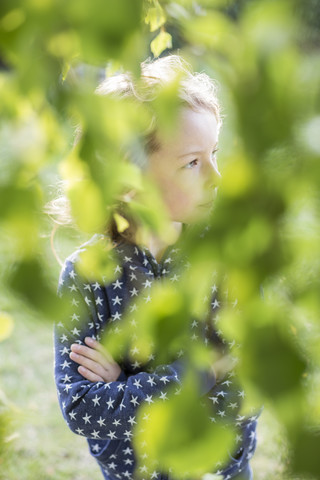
<point>156,244</point>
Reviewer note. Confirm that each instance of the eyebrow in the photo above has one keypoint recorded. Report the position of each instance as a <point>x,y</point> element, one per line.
<point>189,153</point>
<point>195,152</point>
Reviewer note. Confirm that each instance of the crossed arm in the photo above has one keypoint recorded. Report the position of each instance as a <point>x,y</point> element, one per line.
<point>95,363</point>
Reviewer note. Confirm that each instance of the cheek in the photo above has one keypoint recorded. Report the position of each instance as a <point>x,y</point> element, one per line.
<point>179,198</point>
<point>179,194</point>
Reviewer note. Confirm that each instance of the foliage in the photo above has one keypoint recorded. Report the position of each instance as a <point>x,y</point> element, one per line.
<point>264,230</point>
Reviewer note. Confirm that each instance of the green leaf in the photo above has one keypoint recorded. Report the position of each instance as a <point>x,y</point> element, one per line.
<point>194,446</point>
<point>162,41</point>
<point>121,222</point>
<point>271,361</point>
<point>155,16</point>
<point>96,262</point>
<point>6,325</point>
<point>305,455</point>
<point>85,198</point>
<point>212,30</point>
<point>28,280</point>
<point>161,322</point>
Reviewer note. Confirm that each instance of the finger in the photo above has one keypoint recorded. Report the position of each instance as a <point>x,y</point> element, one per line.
<point>91,342</point>
<point>88,375</point>
<point>86,362</point>
<point>90,353</point>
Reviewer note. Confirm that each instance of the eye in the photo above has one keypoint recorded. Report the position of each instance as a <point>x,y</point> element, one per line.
<point>192,164</point>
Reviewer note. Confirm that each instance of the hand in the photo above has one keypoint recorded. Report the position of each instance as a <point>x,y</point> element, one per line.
<point>96,365</point>
<point>223,365</point>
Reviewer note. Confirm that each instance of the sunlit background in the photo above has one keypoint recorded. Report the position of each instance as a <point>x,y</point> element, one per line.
<point>264,240</point>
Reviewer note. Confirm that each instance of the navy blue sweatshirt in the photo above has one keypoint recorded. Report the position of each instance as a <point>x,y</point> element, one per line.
<point>105,413</point>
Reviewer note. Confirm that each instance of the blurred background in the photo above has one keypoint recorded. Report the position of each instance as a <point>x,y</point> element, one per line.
<point>265,230</point>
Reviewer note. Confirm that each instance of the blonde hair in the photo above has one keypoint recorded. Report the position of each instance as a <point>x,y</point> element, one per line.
<point>196,91</point>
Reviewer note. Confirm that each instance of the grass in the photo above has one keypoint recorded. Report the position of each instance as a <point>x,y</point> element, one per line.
<point>39,445</point>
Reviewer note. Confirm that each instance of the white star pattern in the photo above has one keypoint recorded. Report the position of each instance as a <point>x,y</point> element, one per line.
<point>96,400</point>
<point>101,422</point>
<point>86,418</point>
<point>110,403</point>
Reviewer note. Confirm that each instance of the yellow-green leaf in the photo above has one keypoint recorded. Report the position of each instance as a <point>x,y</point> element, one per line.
<point>121,222</point>
<point>85,198</point>
<point>162,41</point>
<point>155,17</point>
<point>194,446</point>
<point>96,261</point>
<point>6,325</point>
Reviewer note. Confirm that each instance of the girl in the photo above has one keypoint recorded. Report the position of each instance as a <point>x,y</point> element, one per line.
<point>99,398</point>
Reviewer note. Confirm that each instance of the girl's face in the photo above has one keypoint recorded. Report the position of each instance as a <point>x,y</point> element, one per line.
<point>185,167</point>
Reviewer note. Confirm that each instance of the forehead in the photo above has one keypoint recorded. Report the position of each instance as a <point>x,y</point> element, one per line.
<point>194,129</point>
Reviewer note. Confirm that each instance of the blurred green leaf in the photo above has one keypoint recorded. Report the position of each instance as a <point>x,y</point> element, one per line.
<point>162,320</point>
<point>86,198</point>
<point>28,279</point>
<point>96,262</point>
<point>275,365</point>
<point>6,325</point>
<point>211,30</point>
<point>264,228</point>
<point>270,358</point>
<point>162,41</point>
<point>194,446</point>
<point>305,454</point>
<point>269,25</point>
<point>155,16</point>
<point>121,222</point>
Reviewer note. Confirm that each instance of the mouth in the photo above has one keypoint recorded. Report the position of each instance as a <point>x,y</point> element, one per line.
<point>206,205</point>
<point>211,201</point>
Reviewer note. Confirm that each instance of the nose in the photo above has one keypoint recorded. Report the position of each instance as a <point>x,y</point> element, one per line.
<point>212,174</point>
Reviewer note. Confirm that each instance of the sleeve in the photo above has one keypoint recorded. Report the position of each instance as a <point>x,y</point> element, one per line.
<point>97,409</point>
<point>226,396</point>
